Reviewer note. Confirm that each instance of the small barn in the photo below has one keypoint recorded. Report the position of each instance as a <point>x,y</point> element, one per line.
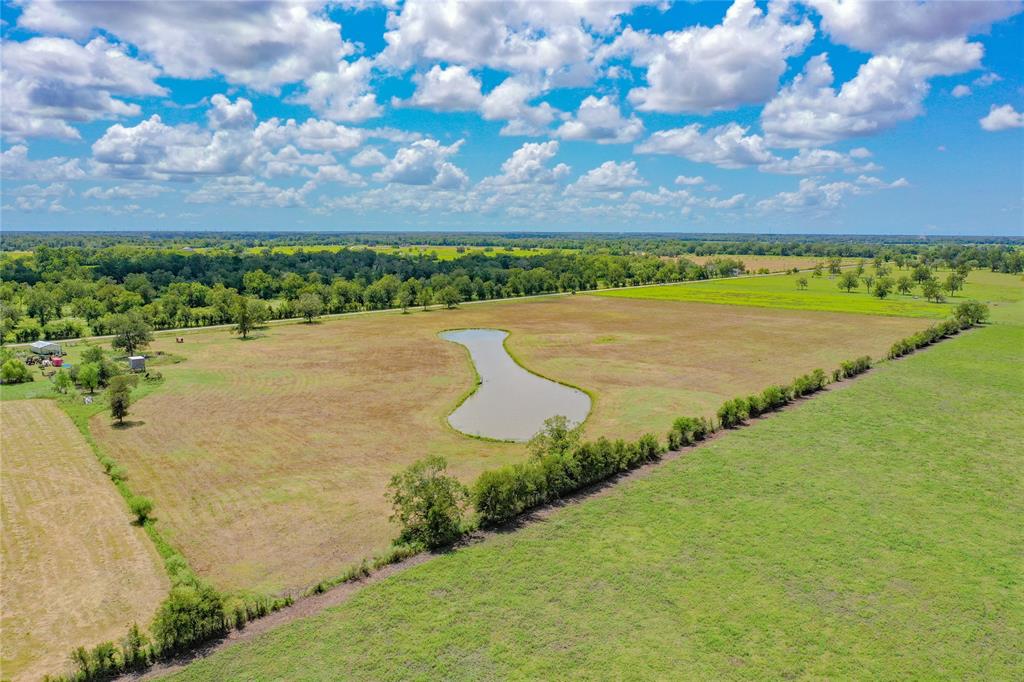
<point>137,363</point>
<point>45,348</point>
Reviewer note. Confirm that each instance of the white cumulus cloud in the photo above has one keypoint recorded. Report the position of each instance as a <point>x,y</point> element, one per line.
<point>1002,118</point>
<point>424,162</point>
<point>703,69</point>
<point>600,120</point>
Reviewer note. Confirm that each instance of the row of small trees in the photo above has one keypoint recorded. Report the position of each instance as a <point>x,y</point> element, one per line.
<point>965,316</point>
<point>881,284</point>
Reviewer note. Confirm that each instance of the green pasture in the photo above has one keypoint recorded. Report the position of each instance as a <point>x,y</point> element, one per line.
<point>823,293</point>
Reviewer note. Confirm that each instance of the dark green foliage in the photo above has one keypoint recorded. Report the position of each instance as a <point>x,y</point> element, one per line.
<point>62,381</point>
<point>63,329</point>
<point>849,281</point>
<point>970,313</point>
<point>191,614</point>
<point>775,397</point>
<point>119,395</point>
<point>499,495</point>
<point>733,412</point>
<point>309,307</point>
<point>131,332</point>
<point>950,327</point>
<point>756,405</point>
<point>687,431</point>
<point>248,314</point>
<point>141,507</point>
<point>427,503</point>
<point>88,375</point>
<point>449,296</point>
<point>851,368</point>
<point>555,437</point>
<point>14,371</point>
<point>808,383</point>
<point>135,650</point>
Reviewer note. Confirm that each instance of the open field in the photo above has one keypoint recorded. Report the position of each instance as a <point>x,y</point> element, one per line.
<point>773,263</point>
<point>824,294</point>
<point>872,532</point>
<point>268,459</point>
<point>75,571</point>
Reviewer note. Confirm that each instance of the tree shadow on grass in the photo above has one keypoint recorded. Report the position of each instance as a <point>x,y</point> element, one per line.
<point>128,424</point>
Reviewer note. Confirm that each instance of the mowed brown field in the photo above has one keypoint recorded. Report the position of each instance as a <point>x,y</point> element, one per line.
<point>268,459</point>
<point>75,571</point>
<point>773,263</point>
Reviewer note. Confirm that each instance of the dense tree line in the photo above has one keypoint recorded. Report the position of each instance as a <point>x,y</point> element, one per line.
<point>611,242</point>
<point>70,291</point>
<point>73,285</point>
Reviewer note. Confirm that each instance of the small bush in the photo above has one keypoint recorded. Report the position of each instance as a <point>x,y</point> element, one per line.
<point>687,431</point>
<point>756,405</point>
<point>141,507</point>
<point>851,368</point>
<point>808,383</point>
<point>733,412</point>
<point>775,397</point>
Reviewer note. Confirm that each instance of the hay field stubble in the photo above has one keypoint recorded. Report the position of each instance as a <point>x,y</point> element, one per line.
<point>268,459</point>
<point>75,571</point>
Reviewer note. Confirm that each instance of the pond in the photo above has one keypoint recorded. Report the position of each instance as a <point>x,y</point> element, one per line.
<point>510,403</point>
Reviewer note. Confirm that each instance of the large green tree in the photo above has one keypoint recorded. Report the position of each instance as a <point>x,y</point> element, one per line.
<point>849,281</point>
<point>131,332</point>
<point>248,314</point>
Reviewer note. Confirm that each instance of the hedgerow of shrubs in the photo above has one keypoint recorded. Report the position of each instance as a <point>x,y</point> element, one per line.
<point>499,495</point>
<point>965,316</point>
<point>735,412</point>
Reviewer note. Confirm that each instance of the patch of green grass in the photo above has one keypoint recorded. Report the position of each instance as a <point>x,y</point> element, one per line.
<point>822,293</point>
<point>870,532</point>
<point>41,387</point>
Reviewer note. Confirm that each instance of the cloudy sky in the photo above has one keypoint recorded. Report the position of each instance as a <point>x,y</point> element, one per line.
<point>790,116</point>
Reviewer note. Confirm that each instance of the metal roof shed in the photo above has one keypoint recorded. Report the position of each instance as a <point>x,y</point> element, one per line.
<point>45,348</point>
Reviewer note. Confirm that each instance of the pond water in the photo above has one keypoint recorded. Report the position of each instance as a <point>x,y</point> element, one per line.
<point>510,403</point>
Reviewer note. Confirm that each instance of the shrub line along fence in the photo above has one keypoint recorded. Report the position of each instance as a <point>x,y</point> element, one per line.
<point>195,612</point>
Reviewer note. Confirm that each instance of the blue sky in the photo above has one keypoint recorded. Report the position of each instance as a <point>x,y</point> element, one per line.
<point>812,116</point>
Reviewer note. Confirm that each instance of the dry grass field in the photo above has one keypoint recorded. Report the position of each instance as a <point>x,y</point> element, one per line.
<point>773,263</point>
<point>268,459</point>
<point>74,569</point>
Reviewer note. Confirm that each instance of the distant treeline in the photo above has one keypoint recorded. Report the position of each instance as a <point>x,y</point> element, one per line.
<point>65,292</point>
<point>70,285</point>
<point>865,246</point>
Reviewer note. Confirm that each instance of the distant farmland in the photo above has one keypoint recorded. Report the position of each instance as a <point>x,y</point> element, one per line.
<point>267,459</point>
<point>754,263</point>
